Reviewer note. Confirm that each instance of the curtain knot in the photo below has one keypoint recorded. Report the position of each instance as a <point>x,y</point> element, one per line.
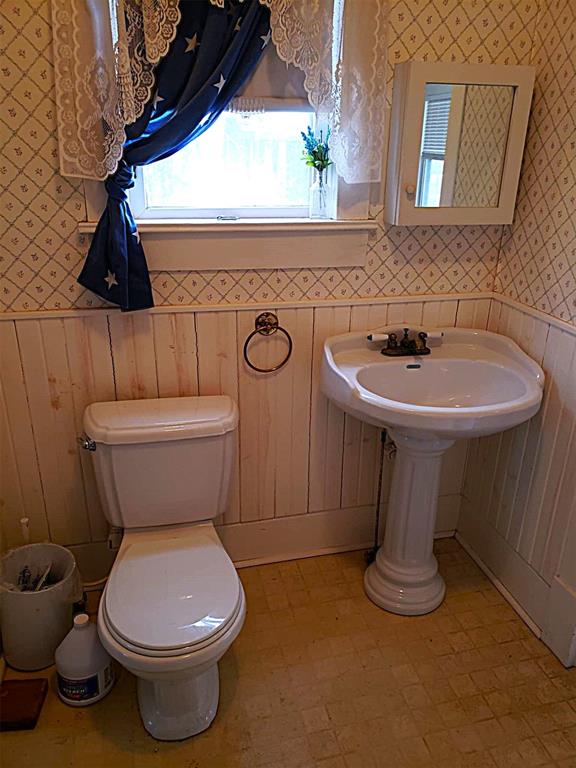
<point>119,182</point>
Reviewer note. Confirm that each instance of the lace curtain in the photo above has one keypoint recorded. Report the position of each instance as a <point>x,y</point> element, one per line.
<point>341,47</point>
<point>104,56</point>
<point>105,52</point>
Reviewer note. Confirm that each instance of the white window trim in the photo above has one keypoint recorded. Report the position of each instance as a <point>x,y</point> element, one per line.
<point>204,244</point>
<point>281,244</point>
<point>187,244</point>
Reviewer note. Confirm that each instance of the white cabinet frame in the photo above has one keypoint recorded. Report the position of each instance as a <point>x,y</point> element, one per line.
<point>410,79</point>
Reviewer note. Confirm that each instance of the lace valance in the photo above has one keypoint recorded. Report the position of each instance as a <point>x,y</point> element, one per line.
<point>105,52</point>
<point>342,51</point>
<point>104,56</point>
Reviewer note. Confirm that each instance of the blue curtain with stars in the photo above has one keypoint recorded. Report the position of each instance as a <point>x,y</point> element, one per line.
<point>214,53</point>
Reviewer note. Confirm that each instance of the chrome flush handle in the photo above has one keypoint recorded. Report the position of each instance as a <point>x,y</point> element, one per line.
<point>87,443</point>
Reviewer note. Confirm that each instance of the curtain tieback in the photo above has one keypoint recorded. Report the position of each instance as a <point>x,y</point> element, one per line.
<point>120,182</point>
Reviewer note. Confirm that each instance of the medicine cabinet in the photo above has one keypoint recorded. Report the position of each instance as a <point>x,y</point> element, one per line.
<point>456,142</point>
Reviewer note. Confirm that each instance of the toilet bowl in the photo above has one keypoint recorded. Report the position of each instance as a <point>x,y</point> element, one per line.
<point>173,603</point>
<point>172,607</point>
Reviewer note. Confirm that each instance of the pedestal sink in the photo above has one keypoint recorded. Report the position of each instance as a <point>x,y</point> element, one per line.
<point>473,383</point>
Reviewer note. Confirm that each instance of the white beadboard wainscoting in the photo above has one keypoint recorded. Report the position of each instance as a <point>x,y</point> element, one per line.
<point>518,515</point>
<point>306,474</point>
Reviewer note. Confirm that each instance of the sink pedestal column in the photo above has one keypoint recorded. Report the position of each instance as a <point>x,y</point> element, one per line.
<point>404,577</point>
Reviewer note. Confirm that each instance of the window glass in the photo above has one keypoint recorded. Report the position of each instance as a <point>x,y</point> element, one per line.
<point>433,150</point>
<point>245,163</point>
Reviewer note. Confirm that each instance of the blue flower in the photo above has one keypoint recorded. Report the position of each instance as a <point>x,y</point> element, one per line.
<point>316,150</point>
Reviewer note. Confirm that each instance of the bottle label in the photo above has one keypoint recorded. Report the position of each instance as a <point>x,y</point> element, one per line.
<point>86,688</point>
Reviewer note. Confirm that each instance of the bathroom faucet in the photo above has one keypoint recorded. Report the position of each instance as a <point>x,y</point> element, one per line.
<point>407,346</point>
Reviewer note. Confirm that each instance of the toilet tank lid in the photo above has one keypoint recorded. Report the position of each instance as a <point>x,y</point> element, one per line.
<point>158,420</point>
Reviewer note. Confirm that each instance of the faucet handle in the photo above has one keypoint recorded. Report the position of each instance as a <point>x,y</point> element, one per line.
<point>406,333</point>
<point>376,336</point>
<point>423,338</point>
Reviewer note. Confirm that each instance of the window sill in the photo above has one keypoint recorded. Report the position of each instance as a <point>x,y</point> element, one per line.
<point>251,243</point>
<point>244,225</point>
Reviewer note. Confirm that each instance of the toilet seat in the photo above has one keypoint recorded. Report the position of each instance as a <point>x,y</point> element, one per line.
<point>172,653</point>
<point>172,591</point>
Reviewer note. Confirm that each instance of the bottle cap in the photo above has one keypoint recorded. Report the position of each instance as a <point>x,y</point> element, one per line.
<point>81,620</point>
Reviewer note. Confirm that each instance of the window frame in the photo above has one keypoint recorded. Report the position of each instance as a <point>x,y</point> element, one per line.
<point>190,244</point>
<point>426,157</point>
<point>422,189</point>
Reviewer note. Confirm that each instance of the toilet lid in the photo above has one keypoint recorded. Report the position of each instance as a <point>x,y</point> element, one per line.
<point>172,590</point>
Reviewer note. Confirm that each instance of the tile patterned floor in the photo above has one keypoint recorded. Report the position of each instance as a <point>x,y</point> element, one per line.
<point>321,678</point>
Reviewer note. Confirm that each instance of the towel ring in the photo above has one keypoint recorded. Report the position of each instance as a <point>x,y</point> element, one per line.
<point>266,324</point>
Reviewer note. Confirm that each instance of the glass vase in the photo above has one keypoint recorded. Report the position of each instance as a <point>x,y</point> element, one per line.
<point>318,203</point>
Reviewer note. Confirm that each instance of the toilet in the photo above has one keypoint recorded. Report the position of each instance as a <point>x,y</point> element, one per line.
<point>173,603</point>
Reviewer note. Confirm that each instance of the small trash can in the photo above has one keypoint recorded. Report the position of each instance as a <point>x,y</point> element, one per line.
<point>39,583</point>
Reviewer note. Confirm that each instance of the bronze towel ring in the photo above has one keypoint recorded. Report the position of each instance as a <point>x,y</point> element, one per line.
<point>266,324</point>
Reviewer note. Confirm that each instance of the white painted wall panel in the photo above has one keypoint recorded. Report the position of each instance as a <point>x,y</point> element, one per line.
<point>326,419</point>
<point>92,380</point>
<point>134,356</point>
<point>473,314</point>
<point>298,454</point>
<point>175,352</point>
<point>439,314</point>
<point>21,493</point>
<point>218,375</point>
<point>49,389</point>
<point>520,487</point>
<point>275,410</point>
<point>556,429</point>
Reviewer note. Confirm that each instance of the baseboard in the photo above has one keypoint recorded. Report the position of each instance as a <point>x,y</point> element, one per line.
<point>560,631</point>
<point>525,589</point>
<point>316,533</point>
<point>287,538</point>
<point>282,538</point>
<point>499,586</point>
<point>448,514</point>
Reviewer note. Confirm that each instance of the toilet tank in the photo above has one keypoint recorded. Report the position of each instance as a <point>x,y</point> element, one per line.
<point>164,461</point>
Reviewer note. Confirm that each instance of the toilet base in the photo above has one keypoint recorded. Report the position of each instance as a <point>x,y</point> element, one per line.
<point>176,709</point>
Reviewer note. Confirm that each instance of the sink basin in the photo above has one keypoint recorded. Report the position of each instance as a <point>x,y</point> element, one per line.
<point>445,383</point>
<point>473,383</point>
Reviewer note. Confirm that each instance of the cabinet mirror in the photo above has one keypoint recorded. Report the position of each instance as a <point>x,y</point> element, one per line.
<point>456,142</point>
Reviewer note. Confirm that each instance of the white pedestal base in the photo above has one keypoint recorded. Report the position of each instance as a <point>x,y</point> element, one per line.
<point>404,577</point>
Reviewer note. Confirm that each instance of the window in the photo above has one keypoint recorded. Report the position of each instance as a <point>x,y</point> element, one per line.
<point>433,150</point>
<point>247,165</point>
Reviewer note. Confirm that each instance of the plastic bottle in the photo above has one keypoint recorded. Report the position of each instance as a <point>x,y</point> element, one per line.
<point>85,671</point>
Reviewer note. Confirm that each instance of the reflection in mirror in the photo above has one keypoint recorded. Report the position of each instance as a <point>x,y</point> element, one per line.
<point>463,147</point>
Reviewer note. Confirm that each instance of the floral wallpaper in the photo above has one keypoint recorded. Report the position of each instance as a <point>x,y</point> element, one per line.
<point>538,257</point>
<point>41,250</point>
<point>482,146</point>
